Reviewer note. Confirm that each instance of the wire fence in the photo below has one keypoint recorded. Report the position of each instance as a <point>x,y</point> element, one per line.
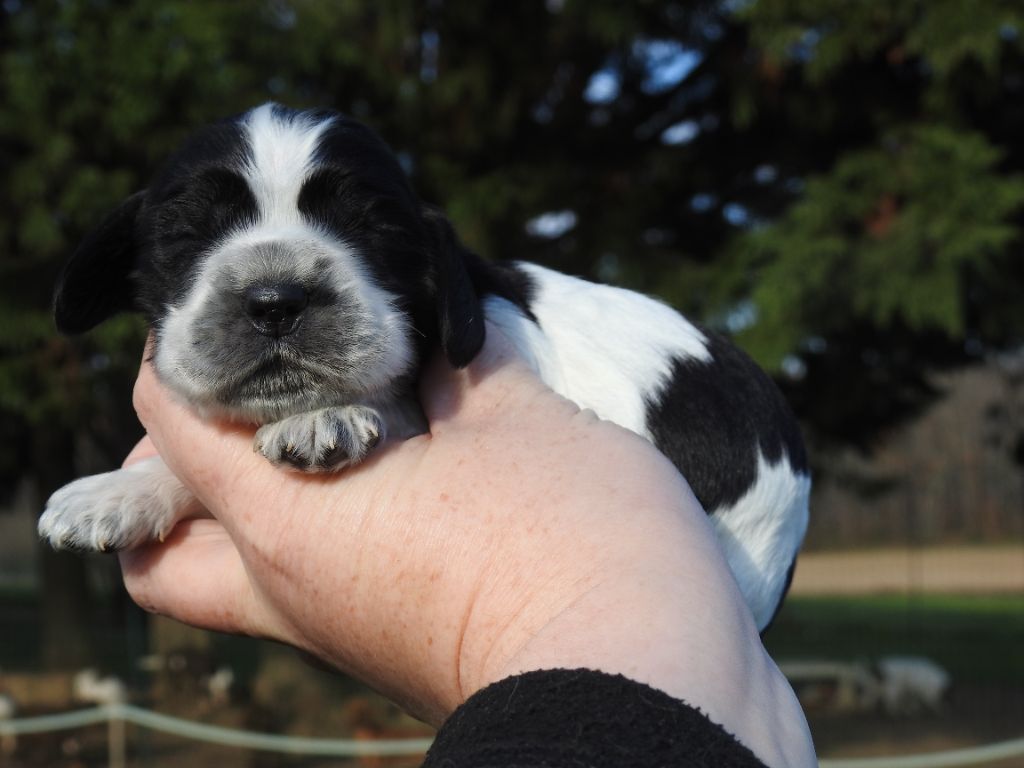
<point>981,755</point>
<point>117,715</point>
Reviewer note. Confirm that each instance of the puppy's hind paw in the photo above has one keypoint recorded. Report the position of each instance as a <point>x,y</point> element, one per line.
<point>322,440</point>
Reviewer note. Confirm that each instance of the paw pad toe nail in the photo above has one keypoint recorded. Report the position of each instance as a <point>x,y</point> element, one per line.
<point>295,459</point>
<point>334,455</point>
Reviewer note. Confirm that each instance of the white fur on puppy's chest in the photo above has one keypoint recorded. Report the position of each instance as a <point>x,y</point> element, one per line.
<point>604,348</point>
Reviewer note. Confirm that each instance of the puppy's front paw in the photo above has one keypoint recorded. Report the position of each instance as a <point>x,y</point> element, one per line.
<point>115,510</point>
<point>322,440</point>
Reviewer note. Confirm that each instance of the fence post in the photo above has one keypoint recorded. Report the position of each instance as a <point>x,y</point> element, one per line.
<point>116,749</point>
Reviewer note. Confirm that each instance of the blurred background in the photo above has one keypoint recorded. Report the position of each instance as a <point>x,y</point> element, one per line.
<point>838,185</point>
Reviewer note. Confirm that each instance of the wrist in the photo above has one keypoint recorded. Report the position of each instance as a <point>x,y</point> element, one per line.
<point>657,606</point>
<point>638,624</point>
<point>636,594</point>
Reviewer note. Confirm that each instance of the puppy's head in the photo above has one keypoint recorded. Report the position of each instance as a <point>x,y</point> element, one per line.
<point>284,264</point>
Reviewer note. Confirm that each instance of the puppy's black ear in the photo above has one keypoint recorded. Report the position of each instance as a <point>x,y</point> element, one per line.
<point>460,317</point>
<point>95,283</point>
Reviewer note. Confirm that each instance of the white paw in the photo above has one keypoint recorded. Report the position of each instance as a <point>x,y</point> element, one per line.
<point>322,440</point>
<point>115,510</point>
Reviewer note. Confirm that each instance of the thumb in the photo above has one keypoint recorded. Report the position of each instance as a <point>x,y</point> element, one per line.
<point>212,459</point>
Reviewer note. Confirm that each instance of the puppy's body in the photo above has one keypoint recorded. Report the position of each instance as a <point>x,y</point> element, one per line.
<point>293,280</point>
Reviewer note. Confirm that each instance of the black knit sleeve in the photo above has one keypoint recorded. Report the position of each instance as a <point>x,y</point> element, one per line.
<point>582,719</point>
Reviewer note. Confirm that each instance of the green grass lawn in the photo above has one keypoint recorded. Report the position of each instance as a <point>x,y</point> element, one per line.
<point>977,639</point>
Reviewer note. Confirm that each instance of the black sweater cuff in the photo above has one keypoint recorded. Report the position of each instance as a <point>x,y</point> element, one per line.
<point>581,718</point>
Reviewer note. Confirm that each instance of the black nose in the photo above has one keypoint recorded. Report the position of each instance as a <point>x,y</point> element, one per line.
<point>275,310</point>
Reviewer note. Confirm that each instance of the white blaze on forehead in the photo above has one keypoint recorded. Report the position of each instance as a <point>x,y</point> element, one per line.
<point>282,151</point>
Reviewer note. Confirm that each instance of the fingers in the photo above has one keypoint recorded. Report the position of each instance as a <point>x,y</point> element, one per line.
<point>213,459</point>
<point>197,577</point>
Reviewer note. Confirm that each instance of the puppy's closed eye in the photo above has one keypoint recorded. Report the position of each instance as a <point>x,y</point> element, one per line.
<point>209,206</point>
<point>353,207</point>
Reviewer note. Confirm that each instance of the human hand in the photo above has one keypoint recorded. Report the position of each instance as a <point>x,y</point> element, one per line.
<point>520,534</point>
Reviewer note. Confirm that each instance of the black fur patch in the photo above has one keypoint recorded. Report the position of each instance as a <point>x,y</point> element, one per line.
<point>360,194</point>
<point>505,279</point>
<point>713,417</point>
<point>95,283</point>
<point>197,199</point>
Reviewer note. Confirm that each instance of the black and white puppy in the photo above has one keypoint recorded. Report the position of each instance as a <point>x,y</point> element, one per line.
<point>293,279</point>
